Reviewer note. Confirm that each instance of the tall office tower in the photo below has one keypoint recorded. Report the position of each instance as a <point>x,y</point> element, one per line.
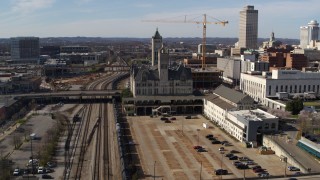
<point>309,34</point>
<point>156,45</point>
<point>248,28</point>
<point>25,50</point>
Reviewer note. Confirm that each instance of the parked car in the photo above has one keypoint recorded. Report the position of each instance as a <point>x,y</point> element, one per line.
<point>209,136</point>
<point>26,171</point>
<point>234,151</point>
<point>236,163</point>
<point>215,142</point>
<point>258,170</point>
<point>46,176</point>
<point>244,159</point>
<point>242,166</point>
<point>256,167</point>
<point>221,172</point>
<point>228,155</point>
<point>223,142</point>
<point>173,118</point>
<point>197,147</point>
<point>51,164</point>
<point>163,118</point>
<point>298,173</point>
<point>292,168</point>
<point>16,172</point>
<point>167,121</point>
<point>233,158</point>
<point>212,138</point>
<point>201,150</point>
<point>221,149</point>
<point>264,174</point>
<point>249,163</point>
<point>188,117</point>
<point>40,170</point>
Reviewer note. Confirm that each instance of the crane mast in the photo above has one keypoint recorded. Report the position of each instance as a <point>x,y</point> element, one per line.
<point>204,32</point>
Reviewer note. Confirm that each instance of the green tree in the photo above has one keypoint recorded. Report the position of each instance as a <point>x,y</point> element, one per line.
<point>126,93</point>
<point>295,106</point>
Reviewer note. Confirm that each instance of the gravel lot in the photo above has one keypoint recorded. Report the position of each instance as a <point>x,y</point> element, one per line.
<point>165,148</point>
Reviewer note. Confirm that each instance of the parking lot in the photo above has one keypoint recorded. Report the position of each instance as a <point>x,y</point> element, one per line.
<point>39,125</point>
<point>166,150</point>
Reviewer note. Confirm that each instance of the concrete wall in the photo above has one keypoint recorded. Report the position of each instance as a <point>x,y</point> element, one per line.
<point>268,142</point>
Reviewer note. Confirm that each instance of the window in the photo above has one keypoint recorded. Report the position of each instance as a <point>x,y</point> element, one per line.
<point>266,126</point>
<point>273,125</point>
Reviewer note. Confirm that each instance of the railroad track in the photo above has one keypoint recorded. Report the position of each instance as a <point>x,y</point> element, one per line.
<point>93,139</point>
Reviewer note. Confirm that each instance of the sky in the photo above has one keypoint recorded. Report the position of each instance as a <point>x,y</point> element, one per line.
<point>124,18</point>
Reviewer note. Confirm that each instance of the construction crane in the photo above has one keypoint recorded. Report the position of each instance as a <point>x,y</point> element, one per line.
<point>204,23</point>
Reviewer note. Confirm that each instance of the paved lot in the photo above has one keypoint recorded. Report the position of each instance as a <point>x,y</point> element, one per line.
<point>38,123</point>
<point>168,150</point>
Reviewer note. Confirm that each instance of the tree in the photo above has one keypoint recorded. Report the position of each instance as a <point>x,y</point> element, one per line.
<point>126,93</point>
<point>295,106</point>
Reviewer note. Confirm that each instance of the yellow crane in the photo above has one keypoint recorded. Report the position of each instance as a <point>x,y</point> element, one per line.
<point>204,23</point>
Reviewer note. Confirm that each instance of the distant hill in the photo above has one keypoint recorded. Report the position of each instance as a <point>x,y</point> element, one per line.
<point>103,40</point>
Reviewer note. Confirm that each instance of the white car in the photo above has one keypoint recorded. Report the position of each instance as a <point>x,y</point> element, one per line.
<point>40,170</point>
<point>16,172</point>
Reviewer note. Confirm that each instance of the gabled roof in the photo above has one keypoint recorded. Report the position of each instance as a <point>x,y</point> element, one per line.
<point>229,94</point>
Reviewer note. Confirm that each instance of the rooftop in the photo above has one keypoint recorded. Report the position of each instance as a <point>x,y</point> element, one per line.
<point>253,115</point>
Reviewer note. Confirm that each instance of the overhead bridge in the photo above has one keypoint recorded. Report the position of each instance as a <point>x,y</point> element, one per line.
<point>65,94</point>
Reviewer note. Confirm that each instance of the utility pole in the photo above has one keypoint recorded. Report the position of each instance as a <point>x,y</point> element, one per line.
<point>31,156</point>
<point>198,135</point>
<point>200,169</point>
<point>154,170</point>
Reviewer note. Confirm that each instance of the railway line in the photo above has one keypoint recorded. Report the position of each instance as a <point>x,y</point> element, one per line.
<point>90,155</point>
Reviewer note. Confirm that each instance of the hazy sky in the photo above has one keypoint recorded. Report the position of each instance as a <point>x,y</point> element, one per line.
<point>123,18</point>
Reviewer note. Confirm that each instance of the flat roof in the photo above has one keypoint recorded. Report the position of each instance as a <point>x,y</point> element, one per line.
<point>254,115</point>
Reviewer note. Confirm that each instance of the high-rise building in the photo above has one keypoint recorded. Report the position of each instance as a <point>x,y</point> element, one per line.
<point>156,45</point>
<point>309,34</point>
<point>248,28</point>
<point>25,50</point>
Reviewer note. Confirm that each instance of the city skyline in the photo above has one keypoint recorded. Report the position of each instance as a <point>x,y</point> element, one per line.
<point>97,18</point>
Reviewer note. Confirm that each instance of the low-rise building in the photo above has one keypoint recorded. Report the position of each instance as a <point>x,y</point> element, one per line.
<point>235,112</point>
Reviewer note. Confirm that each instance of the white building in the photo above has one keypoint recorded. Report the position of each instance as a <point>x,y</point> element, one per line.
<point>248,28</point>
<point>231,69</point>
<point>309,35</point>
<point>248,65</point>
<point>236,114</point>
<point>260,87</point>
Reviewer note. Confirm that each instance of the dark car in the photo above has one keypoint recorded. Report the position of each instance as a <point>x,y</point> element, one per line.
<point>188,117</point>
<point>209,136</point>
<point>173,118</point>
<point>197,147</point>
<point>212,138</point>
<point>236,163</point>
<point>167,121</point>
<point>215,142</point>
<point>233,158</point>
<point>201,150</point>
<point>242,166</point>
<point>228,155</point>
<point>256,167</point>
<point>164,118</point>
<point>258,170</point>
<point>221,172</point>
<point>46,176</point>
<point>234,151</point>
<point>223,142</point>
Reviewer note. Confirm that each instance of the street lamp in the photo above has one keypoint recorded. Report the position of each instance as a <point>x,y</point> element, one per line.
<point>198,135</point>
<point>285,167</point>
<point>221,163</point>
<point>200,169</point>
<point>154,170</point>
